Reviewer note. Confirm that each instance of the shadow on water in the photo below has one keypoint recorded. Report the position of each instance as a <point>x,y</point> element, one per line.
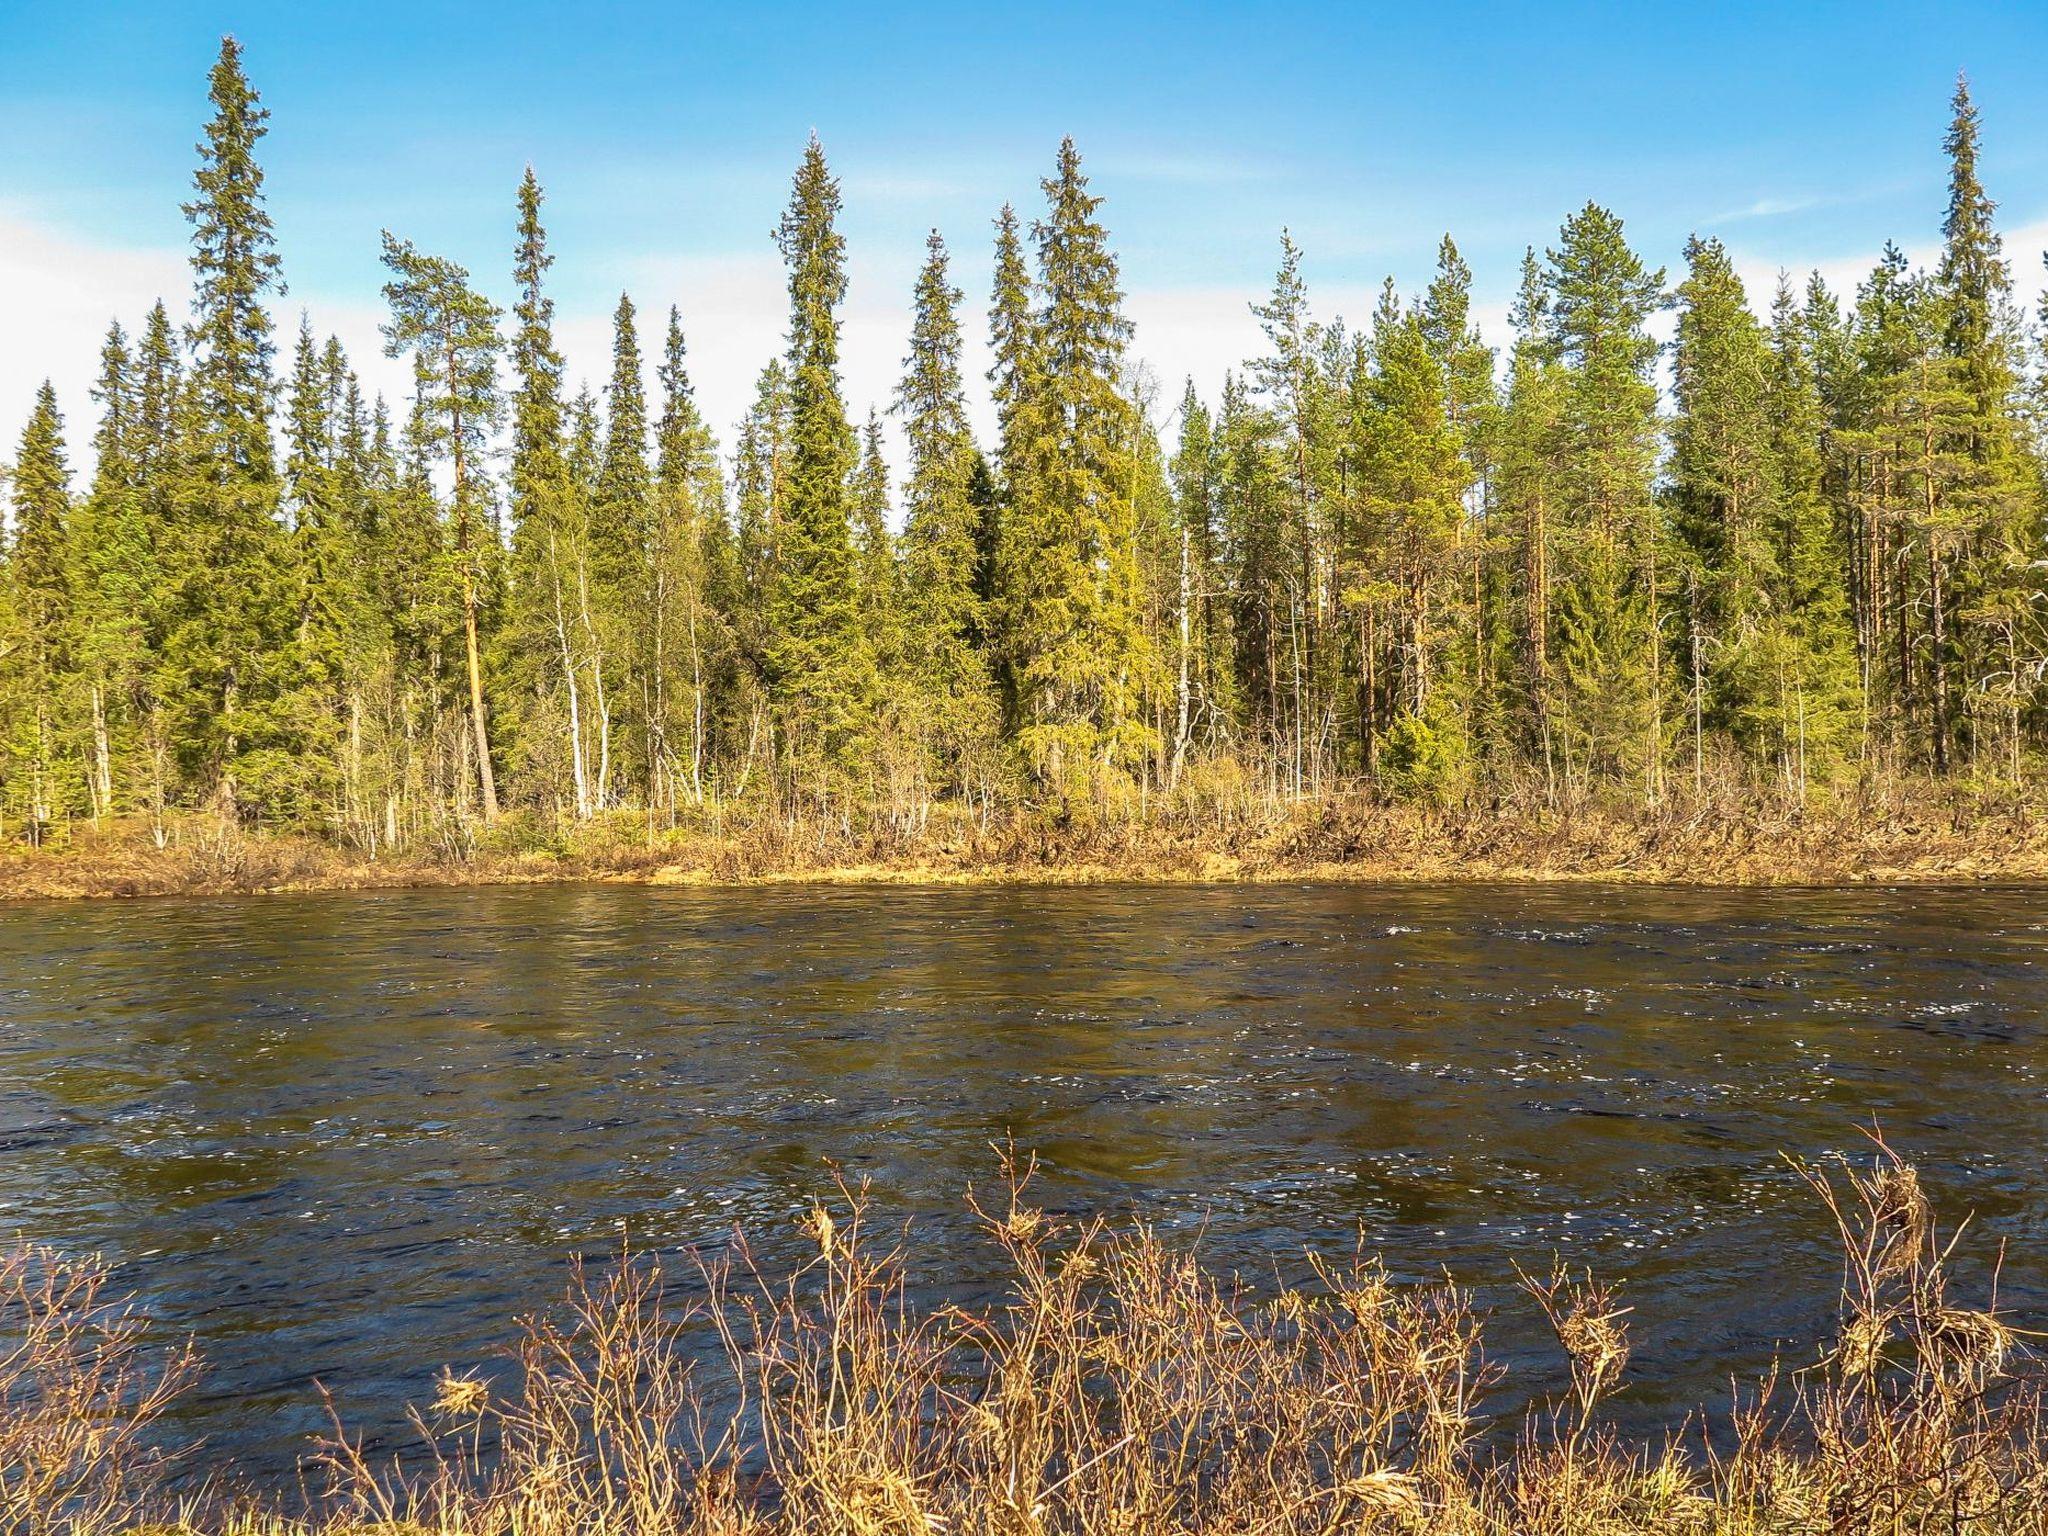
<point>348,1137</point>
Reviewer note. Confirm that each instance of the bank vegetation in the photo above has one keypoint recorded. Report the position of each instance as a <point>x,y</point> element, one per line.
<point>1117,1386</point>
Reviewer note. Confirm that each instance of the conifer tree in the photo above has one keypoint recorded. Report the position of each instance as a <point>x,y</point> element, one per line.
<point>324,560</point>
<point>1725,502</point>
<point>228,645</point>
<point>694,563</point>
<point>551,580</point>
<point>1991,530</point>
<point>1528,453</point>
<point>452,332</point>
<point>617,613</point>
<point>819,665</point>
<point>944,606</point>
<point>234,263</point>
<point>1068,546</point>
<point>39,579</point>
<point>761,479</point>
<point>113,587</point>
<point>1609,639</point>
<point>1811,661</point>
<point>1297,393</point>
<point>1205,702</point>
<point>1413,477</point>
<point>1252,492</point>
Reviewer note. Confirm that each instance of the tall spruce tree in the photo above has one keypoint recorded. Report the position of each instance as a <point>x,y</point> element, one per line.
<point>820,667</point>
<point>1068,549</point>
<point>1609,641</point>
<point>227,651</point>
<point>40,588</point>
<point>944,617</point>
<point>694,564</point>
<point>1994,637</point>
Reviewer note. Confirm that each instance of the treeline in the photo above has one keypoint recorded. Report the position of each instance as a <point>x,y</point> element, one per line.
<point>1387,558</point>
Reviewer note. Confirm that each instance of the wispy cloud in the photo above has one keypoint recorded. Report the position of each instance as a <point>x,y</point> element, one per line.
<point>1770,208</point>
<point>902,187</point>
<point>1178,170</point>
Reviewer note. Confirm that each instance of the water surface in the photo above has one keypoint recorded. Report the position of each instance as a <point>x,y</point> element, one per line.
<point>348,1137</point>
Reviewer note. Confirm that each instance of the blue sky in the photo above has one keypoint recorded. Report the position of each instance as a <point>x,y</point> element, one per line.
<point>665,135</point>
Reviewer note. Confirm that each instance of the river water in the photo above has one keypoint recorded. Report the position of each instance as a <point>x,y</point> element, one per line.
<point>350,1137</point>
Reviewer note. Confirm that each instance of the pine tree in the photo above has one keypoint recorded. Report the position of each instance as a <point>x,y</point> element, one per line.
<point>452,332</point>
<point>1297,392</point>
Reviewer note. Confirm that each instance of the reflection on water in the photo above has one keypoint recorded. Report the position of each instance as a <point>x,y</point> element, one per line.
<point>349,1137</point>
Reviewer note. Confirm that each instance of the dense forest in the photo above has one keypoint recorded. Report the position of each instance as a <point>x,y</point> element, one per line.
<point>1381,559</point>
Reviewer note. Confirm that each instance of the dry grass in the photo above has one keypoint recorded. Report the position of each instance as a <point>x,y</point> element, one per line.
<point>1221,830</point>
<point>1119,1390</point>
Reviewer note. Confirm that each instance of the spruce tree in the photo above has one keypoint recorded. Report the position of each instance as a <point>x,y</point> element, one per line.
<point>1298,393</point>
<point>819,665</point>
<point>616,612</point>
<point>1205,702</point>
<point>1812,667</point>
<point>325,563</point>
<point>944,615</point>
<point>1068,553</point>
<point>694,563</point>
<point>1725,504</point>
<point>1529,453</point>
<point>114,588</point>
<point>1993,634</point>
<point>228,646</point>
<point>39,579</point>
<point>1413,477</point>
<point>546,639</point>
<point>1609,647</point>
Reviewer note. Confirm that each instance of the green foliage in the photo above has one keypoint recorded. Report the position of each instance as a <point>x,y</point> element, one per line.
<point>944,597</point>
<point>1365,561</point>
<point>819,663</point>
<point>1067,555</point>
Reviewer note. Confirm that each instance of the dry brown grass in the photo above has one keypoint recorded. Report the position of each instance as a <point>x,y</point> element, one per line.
<point>1119,1390</point>
<point>1229,829</point>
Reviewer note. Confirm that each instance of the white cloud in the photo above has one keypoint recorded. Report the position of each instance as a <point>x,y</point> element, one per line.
<point>57,295</point>
<point>58,291</point>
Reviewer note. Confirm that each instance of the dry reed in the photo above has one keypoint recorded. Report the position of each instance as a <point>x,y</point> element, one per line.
<point>1118,1389</point>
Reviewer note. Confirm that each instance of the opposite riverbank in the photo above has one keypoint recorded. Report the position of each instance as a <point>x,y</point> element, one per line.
<point>1906,834</point>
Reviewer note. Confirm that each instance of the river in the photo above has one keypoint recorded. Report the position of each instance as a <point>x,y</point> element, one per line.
<point>349,1137</point>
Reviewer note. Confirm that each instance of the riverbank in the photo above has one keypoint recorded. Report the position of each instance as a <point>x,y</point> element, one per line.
<point>1904,835</point>
<point>1116,1385</point>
